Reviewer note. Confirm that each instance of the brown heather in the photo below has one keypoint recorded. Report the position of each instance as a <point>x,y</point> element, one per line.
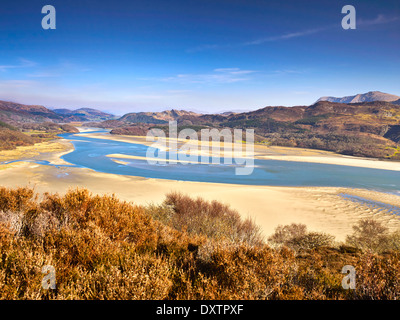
<point>104,248</point>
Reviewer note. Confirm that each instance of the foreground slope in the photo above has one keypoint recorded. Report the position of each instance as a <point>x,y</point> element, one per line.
<point>103,248</point>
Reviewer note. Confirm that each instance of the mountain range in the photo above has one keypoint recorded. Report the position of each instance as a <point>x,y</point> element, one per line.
<point>361,125</point>
<point>157,117</point>
<point>84,114</point>
<point>370,128</point>
<point>16,113</point>
<point>364,97</point>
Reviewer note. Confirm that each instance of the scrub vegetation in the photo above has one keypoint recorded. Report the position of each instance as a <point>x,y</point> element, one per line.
<point>104,248</point>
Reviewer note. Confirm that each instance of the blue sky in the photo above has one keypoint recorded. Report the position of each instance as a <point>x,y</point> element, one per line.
<point>201,55</point>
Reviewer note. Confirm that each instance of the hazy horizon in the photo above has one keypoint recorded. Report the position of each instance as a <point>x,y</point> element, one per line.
<point>172,108</point>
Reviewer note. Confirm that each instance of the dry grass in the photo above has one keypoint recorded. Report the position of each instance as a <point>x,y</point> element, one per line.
<point>104,248</point>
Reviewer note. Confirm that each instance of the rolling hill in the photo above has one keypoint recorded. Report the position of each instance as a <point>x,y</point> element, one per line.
<point>24,125</point>
<point>360,125</point>
<point>16,113</point>
<point>84,115</point>
<point>156,117</point>
<point>369,128</point>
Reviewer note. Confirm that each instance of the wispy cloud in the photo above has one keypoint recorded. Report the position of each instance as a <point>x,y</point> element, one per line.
<point>289,71</point>
<point>285,36</point>
<point>233,71</point>
<point>63,68</point>
<point>36,70</point>
<point>219,75</point>
<point>23,63</point>
<point>44,74</point>
<point>380,19</point>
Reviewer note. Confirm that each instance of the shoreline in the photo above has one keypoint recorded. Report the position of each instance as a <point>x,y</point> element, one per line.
<point>282,153</point>
<point>321,209</point>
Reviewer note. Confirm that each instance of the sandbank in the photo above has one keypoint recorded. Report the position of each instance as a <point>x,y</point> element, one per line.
<point>320,208</point>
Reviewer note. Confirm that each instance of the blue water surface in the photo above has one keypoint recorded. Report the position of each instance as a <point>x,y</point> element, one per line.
<point>92,153</point>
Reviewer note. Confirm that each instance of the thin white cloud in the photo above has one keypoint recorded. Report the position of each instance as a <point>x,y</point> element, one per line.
<point>285,36</point>
<point>380,19</point>
<point>289,71</point>
<point>259,41</point>
<point>226,69</point>
<point>37,71</point>
<point>43,75</point>
<point>23,63</point>
<point>63,68</point>
<point>234,71</point>
<point>218,76</point>
<point>11,84</point>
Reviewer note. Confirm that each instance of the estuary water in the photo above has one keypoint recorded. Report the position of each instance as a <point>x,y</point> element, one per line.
<point>92,153</point>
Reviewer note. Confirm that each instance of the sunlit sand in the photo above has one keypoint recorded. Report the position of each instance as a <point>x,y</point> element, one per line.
<point>320,208</point>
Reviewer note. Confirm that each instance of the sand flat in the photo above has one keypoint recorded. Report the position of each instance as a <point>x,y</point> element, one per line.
<point>320,208</point>
<point>279,153</point>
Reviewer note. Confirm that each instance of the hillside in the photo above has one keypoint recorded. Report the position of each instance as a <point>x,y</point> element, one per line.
<point>30,133</point>
<point>16,113</point>
<point>11,137</point>
<point>359,129</point>
<point>84,115</point>
<point>370,129</point>
<point>156,117</point>
<point>25,125</point>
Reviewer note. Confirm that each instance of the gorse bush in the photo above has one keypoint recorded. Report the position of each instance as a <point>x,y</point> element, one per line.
<point>310,240</point>
<point>212,219</point>
<point>296,237</point>
<point>104,248</point>
<point>283,234</point>
<point>378,277</point>
<point>86,238</point>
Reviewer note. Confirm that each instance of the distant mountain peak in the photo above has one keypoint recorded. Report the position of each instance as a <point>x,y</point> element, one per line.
<point>362,97</point>
<point>84,114</point>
